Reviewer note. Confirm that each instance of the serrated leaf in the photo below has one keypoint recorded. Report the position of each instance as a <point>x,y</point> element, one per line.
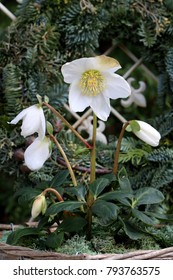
<point>106,211</point>
<point>72,224</point>
<point>148,196</point>
<point>64,205</point>
<point>98,186</point>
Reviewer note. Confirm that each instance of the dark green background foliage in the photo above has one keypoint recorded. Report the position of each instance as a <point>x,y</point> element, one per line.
<point>45,35</point>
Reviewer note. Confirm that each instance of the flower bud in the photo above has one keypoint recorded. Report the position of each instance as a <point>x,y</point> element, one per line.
<point>39,206</point>
<point>148,134</point>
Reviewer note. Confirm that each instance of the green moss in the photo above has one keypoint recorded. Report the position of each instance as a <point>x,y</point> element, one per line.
<point>107,242</point>
<point>3,236</point>
<point>163,236</point>
<point>76,245</point>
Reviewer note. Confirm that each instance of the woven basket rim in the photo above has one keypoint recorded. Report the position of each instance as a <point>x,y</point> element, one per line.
<point>20,253</point>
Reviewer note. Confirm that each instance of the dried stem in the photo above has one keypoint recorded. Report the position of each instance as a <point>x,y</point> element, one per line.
<point>55,192</point>
<point>90,198</point>
<point>67,124</point>
<point>66,160</point>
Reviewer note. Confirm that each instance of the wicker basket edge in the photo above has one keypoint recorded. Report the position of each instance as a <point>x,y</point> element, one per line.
<point>10,252</point>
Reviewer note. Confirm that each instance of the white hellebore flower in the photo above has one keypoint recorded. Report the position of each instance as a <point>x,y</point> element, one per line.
<point>93,83</point>
<point>37,153</point>
<point>39,206</point>
<point>33,121</point>
<point>148,134</point>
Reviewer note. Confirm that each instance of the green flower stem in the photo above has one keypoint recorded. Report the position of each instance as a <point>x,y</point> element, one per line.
<point>90,198</point>
<point>66,160</point>
<point>55,192</point>
<point>117,151</point>
<point>93,151</point>
<point>67,124</point>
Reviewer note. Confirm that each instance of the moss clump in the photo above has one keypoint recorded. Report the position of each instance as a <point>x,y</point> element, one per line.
<point>163,236</point>
<point>76,245</point>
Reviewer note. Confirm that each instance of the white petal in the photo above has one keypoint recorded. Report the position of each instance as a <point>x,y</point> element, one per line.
<point>117,86</point>
<point>147,138</point>
<point>101,106</point>
<point>73,70</point>
<point>126,103</point>
<point>19,117</point>
<point>148,134</point>
<point>139,99</point>
<point>34,121</point>
<point>106,63</point>
<point>37,153</point>
<point>77,101</point>
<point>30,125</point>
<point>42,126</point>
<point>149,129</point>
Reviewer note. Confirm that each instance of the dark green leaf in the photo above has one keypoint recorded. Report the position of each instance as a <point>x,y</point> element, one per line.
<point>160,216</point>
<point>131,230</point>
<point>79,191</point>
<point>111,177</point>
<point>72,224</point>
<point>59,179</point>
<point>55,240</point>
<point>148,196</point>
<point>45,223</point>
<point>64,205</point>
<point>122,196</point>
<point>107,211</point>
<point>143,217</point>
<point>98,186</point>
<point>14,237</point>
<point>124,181</point>
<point>27,194</point>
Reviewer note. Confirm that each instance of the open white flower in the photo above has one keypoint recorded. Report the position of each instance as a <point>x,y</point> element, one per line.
<point>33,121</point>
<point>37,153</point>
<point>93,83</point>
<point>148,134</point>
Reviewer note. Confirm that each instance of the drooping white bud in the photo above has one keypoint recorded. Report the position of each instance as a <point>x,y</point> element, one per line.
<point>39,206</point>
<point>148,134</point>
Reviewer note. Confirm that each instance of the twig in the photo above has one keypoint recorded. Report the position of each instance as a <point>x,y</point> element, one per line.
<point>84,169</point>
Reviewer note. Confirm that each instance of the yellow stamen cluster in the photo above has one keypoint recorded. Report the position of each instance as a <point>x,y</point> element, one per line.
<point>92,83</point>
